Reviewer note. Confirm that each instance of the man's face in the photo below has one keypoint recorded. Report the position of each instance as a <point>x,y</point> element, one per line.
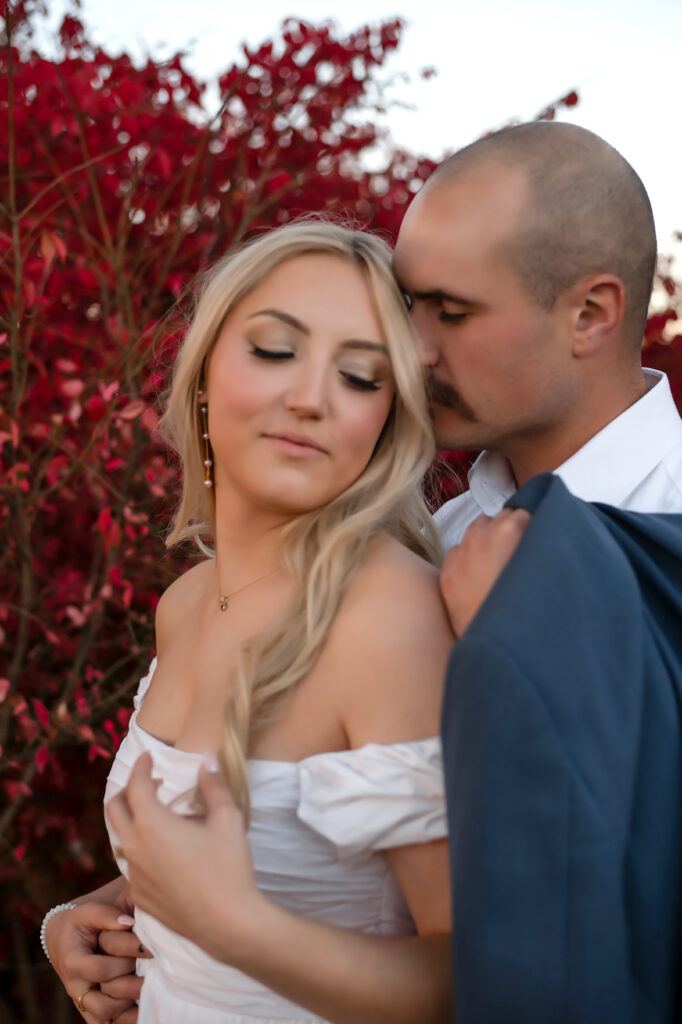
<point>501,369</point>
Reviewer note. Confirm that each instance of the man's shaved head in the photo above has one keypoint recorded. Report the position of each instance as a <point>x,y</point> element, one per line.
<point>586,212</point>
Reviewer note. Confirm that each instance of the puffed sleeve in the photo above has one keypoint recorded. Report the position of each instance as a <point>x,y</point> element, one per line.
<point>376,797</point>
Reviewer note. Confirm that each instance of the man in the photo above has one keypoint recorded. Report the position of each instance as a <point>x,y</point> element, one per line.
<point>527,261</point>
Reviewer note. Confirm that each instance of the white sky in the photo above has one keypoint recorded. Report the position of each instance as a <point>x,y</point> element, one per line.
<point>496,59</point>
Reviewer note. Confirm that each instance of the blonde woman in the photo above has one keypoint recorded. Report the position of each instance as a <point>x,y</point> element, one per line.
<point>308,649</point>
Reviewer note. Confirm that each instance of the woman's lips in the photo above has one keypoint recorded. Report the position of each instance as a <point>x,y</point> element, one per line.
<point>296,446</point>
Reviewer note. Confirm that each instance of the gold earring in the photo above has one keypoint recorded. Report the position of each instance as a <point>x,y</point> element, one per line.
<point>208,461</point>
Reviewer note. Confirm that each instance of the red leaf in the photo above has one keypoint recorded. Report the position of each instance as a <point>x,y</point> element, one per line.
<point>109,529</point>
<point>47,248</point>
<point>95,408</point>
<point>72,388</point>
<point>104,520</point>
<point>42,714</point>
<point>76,615</point>
<point>97,751</point>
<point>4,689</point>
<point>15,789</point>
<point>60,246</point>
<point>132,410</point>
<point>29,291</point>
<point>42,755</point>
<point>108,391</point>
<point>150,418</point>
<point>165,164</point>
<point>19,705</point>
<point>656,324</point>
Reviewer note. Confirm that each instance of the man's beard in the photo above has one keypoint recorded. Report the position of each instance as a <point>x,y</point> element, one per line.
<point>440,393</point>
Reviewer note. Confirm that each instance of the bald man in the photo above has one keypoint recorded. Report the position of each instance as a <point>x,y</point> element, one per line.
<point>527,261</point>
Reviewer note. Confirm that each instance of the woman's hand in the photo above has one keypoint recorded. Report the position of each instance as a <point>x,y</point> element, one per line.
<point>93,948</point>
<point>472,568</point>
<point>194,875</point>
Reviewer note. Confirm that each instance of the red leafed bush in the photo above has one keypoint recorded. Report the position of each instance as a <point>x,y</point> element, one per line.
<point>117,189</point>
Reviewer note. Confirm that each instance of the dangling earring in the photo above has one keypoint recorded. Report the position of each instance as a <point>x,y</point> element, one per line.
<point>203,416</point>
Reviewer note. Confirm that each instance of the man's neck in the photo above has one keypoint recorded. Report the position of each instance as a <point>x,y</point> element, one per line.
<point>547,452</point>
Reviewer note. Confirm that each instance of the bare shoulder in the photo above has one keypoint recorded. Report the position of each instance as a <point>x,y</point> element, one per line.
<point>395,584</point>
<point>390,646</point>
<point>171,611</point>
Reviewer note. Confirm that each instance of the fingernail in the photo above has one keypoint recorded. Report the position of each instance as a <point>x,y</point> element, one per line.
<point>210,761</point>
<point>126,920</point>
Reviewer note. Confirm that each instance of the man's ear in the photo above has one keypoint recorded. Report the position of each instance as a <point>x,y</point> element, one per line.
<point>598,303</point>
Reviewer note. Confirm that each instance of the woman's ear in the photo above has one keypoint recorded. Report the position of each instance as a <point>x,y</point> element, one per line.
<point>599,305</point>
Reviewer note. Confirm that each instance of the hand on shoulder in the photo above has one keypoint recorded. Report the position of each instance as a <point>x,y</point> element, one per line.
<point>472,568</point>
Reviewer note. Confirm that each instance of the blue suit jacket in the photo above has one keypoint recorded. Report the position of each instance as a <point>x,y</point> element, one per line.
<point>562,750</point>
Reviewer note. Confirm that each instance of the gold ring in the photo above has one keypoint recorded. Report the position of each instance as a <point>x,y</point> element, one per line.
<point>79,1001</point>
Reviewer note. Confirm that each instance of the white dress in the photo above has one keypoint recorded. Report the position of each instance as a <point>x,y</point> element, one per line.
<point>316,830</point>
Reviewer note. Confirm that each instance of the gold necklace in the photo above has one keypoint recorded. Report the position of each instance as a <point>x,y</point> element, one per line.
<point>225,598</point>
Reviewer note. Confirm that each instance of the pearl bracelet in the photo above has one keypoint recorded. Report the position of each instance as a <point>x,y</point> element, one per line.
<point>48,917</point>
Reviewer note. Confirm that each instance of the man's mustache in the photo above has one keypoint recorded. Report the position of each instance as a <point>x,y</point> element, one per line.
<point>440,393</point>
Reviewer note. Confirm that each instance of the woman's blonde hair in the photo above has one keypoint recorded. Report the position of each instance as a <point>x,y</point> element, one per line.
<point>321,548</point>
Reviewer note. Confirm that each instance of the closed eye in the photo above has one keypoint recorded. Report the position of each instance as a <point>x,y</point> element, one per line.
<point>451,318</point>
<point>360,382</point>
<point>269,353</point>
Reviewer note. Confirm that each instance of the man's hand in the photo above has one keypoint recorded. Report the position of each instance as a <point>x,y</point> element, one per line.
<point>471,569</point>
<point>75,938</point>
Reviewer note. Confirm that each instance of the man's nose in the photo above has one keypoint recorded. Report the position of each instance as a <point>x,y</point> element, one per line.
<point>426,343</point>
<point>307,395</point>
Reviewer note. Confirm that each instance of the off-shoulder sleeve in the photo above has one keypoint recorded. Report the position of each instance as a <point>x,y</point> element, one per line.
<point>375,797</point>
<point>144,685</point>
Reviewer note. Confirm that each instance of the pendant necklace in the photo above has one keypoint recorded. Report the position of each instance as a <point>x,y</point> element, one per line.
<point>225,598</point>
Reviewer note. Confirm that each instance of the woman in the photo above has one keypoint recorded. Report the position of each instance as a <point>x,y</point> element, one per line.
<point>298,411</point>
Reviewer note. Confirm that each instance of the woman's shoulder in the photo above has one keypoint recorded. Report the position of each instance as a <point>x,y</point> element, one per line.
<point>183,592</point>
<point>389,647</point>
<point>391,576</point>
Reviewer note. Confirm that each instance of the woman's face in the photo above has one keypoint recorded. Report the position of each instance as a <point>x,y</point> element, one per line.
<point>299,387</point>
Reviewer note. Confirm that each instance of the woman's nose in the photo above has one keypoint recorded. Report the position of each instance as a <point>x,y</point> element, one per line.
<point>307,395</point>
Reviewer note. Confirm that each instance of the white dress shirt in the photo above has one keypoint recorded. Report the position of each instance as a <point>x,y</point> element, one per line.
<point>634,463</point>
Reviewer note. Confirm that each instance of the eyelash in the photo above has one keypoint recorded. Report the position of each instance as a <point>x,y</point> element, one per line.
<point>266,353</point>
<point>451,318</point>
<point>350,378</point>
<point>360,383</point>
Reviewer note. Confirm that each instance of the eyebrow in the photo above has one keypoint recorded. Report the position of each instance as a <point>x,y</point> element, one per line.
<point>442,296</point>
<point>287,318</point>
<point>367,346</point>
<point>292,321</point>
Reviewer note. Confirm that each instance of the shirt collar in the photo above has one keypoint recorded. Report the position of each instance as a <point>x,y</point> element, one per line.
<point>609,466</point>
